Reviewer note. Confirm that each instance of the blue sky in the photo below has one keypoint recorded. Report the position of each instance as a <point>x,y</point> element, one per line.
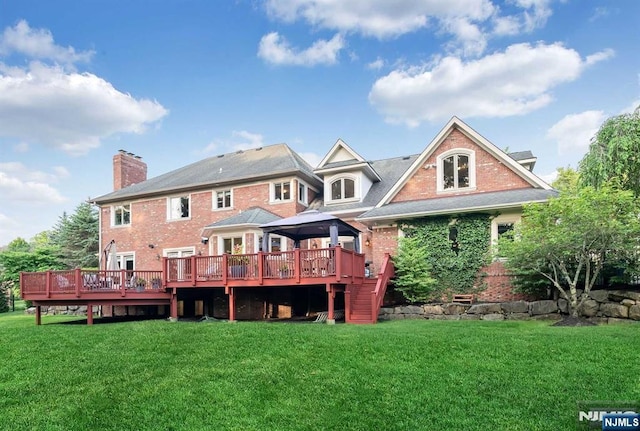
<point>176,81</point>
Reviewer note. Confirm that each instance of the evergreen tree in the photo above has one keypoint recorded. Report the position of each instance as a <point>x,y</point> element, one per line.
<point>76,237</point>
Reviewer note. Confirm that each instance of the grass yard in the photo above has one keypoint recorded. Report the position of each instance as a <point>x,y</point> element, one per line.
<point>402,375</point>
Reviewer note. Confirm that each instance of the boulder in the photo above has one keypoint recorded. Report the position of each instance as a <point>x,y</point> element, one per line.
<point>619,295</point>
<point>30,310</point>
<point>628,302</point>
<point>599,295</point>
<point>484,308</point>
<point>634,312</point>
<point>589,308</point>
<point>445,317</point>
<point>518,316</point>
<point>550,316</point>
<point>411,309</point>
<point>613,320</point>
<point>614,310</point>
<point>470,317</point>
<point>515,307</point>
<point>546,306</point>
<point>493,316</point>
<point>385,310</point>
<point>563,305</point>
<point>454,309</point>
<point>432,309</point>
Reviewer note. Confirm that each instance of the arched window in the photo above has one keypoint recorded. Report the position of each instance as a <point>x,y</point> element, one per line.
<point>343,188</point>
<point>456,170</point>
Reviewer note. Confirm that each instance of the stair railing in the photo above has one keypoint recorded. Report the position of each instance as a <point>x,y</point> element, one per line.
<point>385,275</point>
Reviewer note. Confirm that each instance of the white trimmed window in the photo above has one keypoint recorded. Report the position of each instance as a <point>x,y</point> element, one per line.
<point>281,191</point>
<point>232,245</point>
<point>179,207</point>
<point>121,215</point>
<point>343,189</point>
<point>456,170</point>
<point>222,199</point>
<point>303,195</point>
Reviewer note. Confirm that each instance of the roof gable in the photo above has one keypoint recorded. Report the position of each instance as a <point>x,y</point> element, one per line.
<point>342,158</point>
<point>478,140</point>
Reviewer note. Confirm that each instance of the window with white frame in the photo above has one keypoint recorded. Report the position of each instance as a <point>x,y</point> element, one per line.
<point>121,215</point>
<point>303,196</point>
<point>456,170</point>
<point>281,191</point>
<point>232,245</point>
<point>178,207</point>
<point>222,199</point>
<point>502,225</point>
<point>343,188</point>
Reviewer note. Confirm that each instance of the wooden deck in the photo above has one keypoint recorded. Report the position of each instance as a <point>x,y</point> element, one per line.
<point>337,269</point>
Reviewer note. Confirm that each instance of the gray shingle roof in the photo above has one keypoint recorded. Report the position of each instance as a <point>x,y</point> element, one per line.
<point>522,155</point>
<point>221,170</point>
<point>256,216</point>
<point>453,204</point>
<point>390,171</point>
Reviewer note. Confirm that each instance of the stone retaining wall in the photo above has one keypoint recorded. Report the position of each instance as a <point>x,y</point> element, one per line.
<point>602,306</point>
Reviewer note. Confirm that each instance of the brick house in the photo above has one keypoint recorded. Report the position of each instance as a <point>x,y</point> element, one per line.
<point>216,206</point>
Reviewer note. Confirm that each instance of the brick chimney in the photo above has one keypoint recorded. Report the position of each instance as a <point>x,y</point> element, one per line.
<point>128,169</point>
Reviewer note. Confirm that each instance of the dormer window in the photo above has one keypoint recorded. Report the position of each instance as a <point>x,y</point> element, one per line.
<point>457,170</point>
<point>343,188</point>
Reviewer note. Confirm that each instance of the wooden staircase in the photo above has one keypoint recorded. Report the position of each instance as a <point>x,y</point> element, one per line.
<point>361,304</point>
<point>365,300</point>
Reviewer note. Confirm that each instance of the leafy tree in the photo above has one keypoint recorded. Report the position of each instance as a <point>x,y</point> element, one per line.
<point>18,244</point>
<point>567,180</point>
<point>14,262</point>
<point>413,272</point>
<point>569,239</point>
<point>76,237</point>
<point>614,153</point>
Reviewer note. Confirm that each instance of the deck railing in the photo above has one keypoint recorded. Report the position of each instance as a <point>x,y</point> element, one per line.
<point>76,282</point>
<point>293,265</point>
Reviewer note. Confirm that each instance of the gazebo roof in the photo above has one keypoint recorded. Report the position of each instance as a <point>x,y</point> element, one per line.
<point>310,224</point>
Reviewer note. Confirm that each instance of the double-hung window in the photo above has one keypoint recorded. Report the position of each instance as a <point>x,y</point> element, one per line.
<point>178,207</point>
<point>302,193</point>
<point>121,215</point>
<point>282,191</point>
<point>222,199</point>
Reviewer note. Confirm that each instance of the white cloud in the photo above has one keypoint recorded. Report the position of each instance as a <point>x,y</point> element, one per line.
<point>467,22</point>
<point>599,56</point>
<point>573,133</point>
<point>53,105</point>
<point>38,43</point>
<point>276,50</point>
<point>631,107</point>
<point>377,18</point>
<point>243,140</point>
<point>32,187</point>
<point>514,82</point>
<point>377,64</point>
<point>69,111</point>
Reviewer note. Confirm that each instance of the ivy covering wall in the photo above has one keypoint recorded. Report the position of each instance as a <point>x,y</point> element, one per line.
<point>456,249</point>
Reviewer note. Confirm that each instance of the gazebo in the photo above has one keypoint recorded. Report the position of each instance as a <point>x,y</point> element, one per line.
<point>310,224</point>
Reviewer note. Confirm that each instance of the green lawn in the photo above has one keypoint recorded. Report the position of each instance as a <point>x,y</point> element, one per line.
<point>403,375</point>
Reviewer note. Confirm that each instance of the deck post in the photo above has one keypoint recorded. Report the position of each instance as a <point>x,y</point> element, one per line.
<point>89,314</point>
<point>232,304</point>
<point>331,299</point>
<point>38,315</point>
<point>173,313</point>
